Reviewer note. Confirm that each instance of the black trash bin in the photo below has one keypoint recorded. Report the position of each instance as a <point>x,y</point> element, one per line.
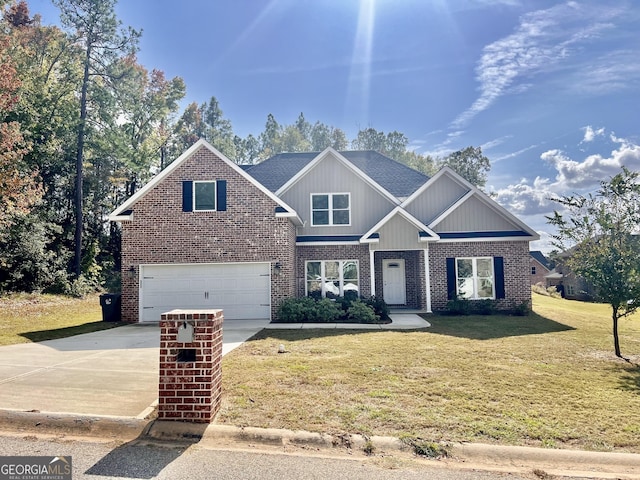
<point>110,303</point>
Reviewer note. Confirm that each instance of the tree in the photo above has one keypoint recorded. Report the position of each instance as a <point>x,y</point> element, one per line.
<point>19,189</point>
<point>97,31</point>
<point>606,249</point>
<point>471,164</point>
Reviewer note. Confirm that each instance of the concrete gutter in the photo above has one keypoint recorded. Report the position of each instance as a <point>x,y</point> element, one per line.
<point>568,463</point>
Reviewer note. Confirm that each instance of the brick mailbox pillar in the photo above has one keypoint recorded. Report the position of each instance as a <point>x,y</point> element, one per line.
<point>190,384</point>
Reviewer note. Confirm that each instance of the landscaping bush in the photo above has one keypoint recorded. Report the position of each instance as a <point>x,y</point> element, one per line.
<point>307,309</point>
<point>483,307</point>
<point>324,310</point>
<point>380,307</point>
<point>362,313</point>
<point>458,306</point>
<point>521,310</point>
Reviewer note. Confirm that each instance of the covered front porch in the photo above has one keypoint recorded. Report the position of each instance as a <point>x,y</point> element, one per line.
<point>401,278</point>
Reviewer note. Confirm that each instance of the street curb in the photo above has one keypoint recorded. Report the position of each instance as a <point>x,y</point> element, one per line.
<point>68,424</point>
<point>504,458</point>
<point>513,459</point>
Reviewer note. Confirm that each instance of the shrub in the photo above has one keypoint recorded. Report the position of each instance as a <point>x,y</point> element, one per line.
<point>307,309</point>
<point>459,306</point>
<point>295,310</point>
<point>521,310</point>
<point>363,313</point>
<point>380,307</point>
<point>482,307</point>
<point>325,311</point>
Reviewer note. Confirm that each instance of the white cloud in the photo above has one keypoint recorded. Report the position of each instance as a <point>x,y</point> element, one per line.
<point>590,134</point>
<point>543,40</point>
<point>580,175</point>
<point>573,176</point>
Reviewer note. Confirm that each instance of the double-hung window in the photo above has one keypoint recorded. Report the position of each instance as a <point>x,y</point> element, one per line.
<point>330,209</point>
<point>475,278</point>
<point>332,278</point>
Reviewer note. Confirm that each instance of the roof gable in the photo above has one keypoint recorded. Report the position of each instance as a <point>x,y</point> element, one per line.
<point>391,176</point>
<point>463,215</point>
<point>540,258</point>
<point>330,153</point>
<point>424,233</point>
<point>123,212</point>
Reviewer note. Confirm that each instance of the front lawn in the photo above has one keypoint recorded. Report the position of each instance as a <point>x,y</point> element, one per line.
<point>34,318</point>
<point>550,379</point>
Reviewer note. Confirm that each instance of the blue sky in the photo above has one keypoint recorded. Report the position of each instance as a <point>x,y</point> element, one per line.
<point>549,89</point>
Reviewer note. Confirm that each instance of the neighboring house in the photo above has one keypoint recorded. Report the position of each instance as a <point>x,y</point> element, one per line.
<point>538,267</point>
<point>575,287</point>
<point>207,233</point>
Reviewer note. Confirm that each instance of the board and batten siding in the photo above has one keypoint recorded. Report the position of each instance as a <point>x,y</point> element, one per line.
<point>439,196</point>
<point>398,234</point>
<point>330,175</point>
<point>475,216</point>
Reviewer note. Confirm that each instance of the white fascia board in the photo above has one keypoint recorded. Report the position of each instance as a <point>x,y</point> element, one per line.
<point>181,159</point>
<point>451,209</point>
<point>120,218</point>
<point>407,216</point>
<point>341,158</point>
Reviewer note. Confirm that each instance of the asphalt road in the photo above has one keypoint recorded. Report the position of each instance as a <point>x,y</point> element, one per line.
<point>144,460</point>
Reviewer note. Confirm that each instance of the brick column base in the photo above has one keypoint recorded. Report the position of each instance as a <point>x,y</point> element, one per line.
<point>190,385</point>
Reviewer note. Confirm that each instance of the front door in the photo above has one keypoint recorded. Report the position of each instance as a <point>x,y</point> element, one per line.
<point>393,279</point>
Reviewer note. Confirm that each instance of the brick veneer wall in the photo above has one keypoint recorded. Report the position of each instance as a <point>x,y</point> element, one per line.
<point>541,271</point>
<point>247,231</point>
<point>414,275</point>
<point>516,269</point>
<point>190,391</point>
<point>334,252</point>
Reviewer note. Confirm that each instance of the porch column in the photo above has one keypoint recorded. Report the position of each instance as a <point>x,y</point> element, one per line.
<point>372,271</point>
<point>427,278</point>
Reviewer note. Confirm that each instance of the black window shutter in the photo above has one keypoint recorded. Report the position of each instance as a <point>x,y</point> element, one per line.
<point>221,195</point>
<point>498,272</point>
<point>187,196</point>
<point>451,278</point>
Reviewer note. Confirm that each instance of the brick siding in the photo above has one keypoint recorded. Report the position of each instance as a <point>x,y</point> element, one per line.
<point>247,231</point>
<point>516,269</point>
<point>190,391</point>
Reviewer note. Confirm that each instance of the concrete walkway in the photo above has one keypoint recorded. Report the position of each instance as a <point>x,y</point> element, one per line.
<point>399,321</point>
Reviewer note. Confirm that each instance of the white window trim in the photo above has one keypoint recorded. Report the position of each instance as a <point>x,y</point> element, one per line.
<point>474,269</point>
<point>323,276</point>
<point>330,208</point>
<point>215,196</point>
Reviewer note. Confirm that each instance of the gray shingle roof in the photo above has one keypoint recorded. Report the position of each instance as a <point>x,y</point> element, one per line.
<point>396,178</point>
<point>539,256</point>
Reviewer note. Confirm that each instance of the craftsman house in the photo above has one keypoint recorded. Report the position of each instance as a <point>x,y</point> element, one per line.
<point>207,233</point>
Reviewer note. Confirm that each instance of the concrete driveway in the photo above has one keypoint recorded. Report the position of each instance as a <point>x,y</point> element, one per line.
<point>112,372</point>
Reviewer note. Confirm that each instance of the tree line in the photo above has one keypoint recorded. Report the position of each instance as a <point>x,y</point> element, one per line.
<point>83,126</point>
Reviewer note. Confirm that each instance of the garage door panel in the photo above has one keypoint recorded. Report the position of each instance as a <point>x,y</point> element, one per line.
<point>242,290</point>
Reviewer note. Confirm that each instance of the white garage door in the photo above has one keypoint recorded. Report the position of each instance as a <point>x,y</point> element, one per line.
<point>242,290</point>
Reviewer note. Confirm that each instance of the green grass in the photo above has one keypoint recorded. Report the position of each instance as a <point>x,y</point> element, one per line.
<point>33,318</point>
<point>550,379</point>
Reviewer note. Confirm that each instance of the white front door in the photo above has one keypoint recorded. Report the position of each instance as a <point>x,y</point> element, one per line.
<point>393,279</point>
